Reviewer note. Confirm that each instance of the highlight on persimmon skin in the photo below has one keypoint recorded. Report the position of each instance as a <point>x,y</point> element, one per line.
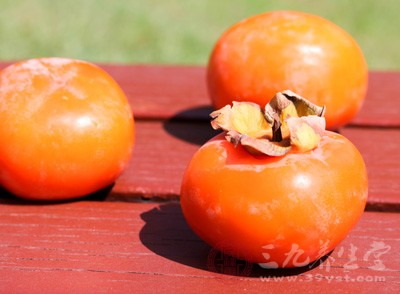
<point>66,127</point>
<point>274,51</point>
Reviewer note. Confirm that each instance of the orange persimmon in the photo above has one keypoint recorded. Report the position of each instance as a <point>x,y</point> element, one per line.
<point>274,188</point>
<point>274,51</point>
<point>66,129</point>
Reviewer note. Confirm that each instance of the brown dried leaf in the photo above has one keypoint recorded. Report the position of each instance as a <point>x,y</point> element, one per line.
<point>306,131</point>
<point>243,117</point>
<point>277,111</point>
<point>265,146</point>
<point>303,106</point>
<point>233,137</point>
<point>288,121</point>
<point>259,146</point>
<point>276,105</point>
<point>221,118</point>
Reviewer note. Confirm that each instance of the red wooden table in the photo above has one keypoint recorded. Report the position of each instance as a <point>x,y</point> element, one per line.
<point>132,237</point>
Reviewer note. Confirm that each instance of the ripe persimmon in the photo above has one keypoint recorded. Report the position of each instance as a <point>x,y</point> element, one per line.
<point>279,50</point>
<point>66,129</point>
<point>280,201</point>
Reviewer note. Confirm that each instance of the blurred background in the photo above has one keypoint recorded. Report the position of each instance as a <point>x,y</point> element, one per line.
<point>175,31</point>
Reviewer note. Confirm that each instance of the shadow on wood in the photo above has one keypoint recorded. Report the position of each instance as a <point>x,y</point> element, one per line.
<point>167,234</point>
<point>8,198</point>
<point>191,125</point>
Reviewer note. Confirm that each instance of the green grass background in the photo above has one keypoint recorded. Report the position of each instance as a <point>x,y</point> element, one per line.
<point>173,31</point>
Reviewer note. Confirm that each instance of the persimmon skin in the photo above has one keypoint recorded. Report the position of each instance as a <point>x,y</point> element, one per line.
<point>280,50</point>
<point>261,208</point>
<point>66,129</point>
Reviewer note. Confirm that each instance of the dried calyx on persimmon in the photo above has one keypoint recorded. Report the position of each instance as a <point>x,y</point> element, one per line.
<point>288,121</point>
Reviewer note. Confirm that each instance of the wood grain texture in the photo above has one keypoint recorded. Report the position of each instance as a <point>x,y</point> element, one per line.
<point>157,165</point>
<point>379,148</point>
<point>382,104</point>
<point>164,92</point>
<point>175,91</point>
<point>115,247</point>
<point>162,151</point>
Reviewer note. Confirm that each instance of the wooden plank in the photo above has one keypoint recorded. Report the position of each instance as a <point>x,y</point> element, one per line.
<point>382,104</point>
<point>114,247</point>
<point>157,165</point>
<point>379,148</point>
<point>162,151</point>
<point>164,92</point>
<point>164,148</point>
<point>169,91</point>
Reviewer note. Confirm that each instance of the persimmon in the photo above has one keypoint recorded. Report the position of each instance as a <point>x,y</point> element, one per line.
<point>277,188</point>
<point>66,129</point>
<point>274,51</point>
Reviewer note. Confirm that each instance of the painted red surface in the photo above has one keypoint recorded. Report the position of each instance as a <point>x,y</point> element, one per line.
<point>113,242</point>
<point>117,247</point>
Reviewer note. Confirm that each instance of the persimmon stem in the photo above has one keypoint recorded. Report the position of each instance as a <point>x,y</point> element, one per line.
<point>276,131</point>
<point>287,121</point>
